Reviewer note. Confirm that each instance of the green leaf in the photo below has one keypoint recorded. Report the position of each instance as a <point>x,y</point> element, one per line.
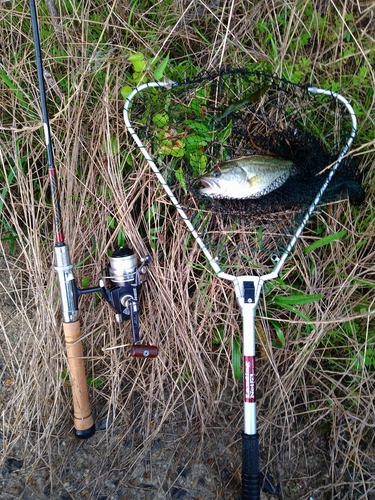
<point>199,127</point>
<point>181,179</point>
<point>194,142</point>
<point>218,338</point>
<point>95,382</point>
<point>161,119</point>
<point>121,239</point>
<point>126,91</point>
<point>279,334</point>
<point>225,133</point>
<point>297,312</point>
<point>198,105</point>
<point>111,221</point>
<point>138,62</point>
<point>85,282</point>
<point>198,162</point>
<point>326,240</point>
<point>237,358</point>
<point>174,149</point>
<point>4,192</point>
<point>159,71</point>
<point>138,76</point>
<point>297,300</point>
<point>8,82</point>
<point>138,56</point>
<point>64,375</point>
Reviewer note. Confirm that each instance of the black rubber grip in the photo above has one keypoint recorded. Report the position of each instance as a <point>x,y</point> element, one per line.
<point>250,467</point>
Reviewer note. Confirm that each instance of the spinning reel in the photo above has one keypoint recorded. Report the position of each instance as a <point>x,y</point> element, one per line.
<point>125,274</point>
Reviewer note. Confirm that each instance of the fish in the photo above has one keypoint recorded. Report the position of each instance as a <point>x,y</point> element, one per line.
<point>246,177</point>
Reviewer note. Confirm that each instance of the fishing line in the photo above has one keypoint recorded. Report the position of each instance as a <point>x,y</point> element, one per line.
<point>186,131</point>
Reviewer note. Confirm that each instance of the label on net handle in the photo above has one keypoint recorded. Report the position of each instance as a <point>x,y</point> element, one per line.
<point>249,379</point>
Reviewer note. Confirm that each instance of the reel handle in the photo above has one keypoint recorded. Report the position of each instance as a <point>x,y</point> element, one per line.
<point>139,350</point>
<point>144,351</point>
<point>84,426</point>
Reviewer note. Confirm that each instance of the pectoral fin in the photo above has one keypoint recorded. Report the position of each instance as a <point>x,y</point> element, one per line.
<point>255,181</point>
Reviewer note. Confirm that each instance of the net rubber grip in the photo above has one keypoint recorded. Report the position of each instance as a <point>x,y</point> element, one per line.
<point>250,467</point>
<point>83,421</point>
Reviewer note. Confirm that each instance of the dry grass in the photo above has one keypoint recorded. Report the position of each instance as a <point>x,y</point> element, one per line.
<point>308,386</point>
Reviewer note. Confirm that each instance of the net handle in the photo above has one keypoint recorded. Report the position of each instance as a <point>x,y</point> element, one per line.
<point>212,260</point>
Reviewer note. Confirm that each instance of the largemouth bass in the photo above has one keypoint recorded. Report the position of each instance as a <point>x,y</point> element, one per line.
<point>247,177</point>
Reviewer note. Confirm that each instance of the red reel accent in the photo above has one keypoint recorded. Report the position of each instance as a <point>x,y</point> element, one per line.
<point>144,351</point>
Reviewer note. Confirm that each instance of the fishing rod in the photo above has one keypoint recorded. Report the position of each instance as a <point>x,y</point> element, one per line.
<point>125,274</point>
<point>83,420</point>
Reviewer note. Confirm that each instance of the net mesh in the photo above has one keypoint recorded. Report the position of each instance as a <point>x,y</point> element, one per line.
<point>194,126</point>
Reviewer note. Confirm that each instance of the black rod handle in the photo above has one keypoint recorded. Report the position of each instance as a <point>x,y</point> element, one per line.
<point>250,467</point>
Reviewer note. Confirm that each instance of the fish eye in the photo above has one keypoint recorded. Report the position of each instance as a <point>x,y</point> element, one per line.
<point>217,173</point>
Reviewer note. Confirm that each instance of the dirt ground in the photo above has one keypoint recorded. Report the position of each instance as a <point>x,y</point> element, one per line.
<point>176,464</point>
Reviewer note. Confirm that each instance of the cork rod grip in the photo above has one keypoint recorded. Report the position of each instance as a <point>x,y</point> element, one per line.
<point>83,420</point>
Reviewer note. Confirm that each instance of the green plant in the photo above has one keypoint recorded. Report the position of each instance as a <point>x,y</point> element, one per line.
<point>91,381</point>
<point>115,226</point>
<point>144,67</point>
<point>237,358</point>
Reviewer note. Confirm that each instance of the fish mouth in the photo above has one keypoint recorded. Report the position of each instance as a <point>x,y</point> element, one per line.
<point>210,186</point>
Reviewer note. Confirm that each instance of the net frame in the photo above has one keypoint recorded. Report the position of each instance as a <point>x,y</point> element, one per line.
<point>247,287</point>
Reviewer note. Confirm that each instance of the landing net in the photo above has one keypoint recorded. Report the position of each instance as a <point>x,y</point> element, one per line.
<point>191,130</point>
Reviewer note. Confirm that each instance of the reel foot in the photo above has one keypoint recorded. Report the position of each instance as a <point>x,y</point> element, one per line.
<point>144,351</point>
